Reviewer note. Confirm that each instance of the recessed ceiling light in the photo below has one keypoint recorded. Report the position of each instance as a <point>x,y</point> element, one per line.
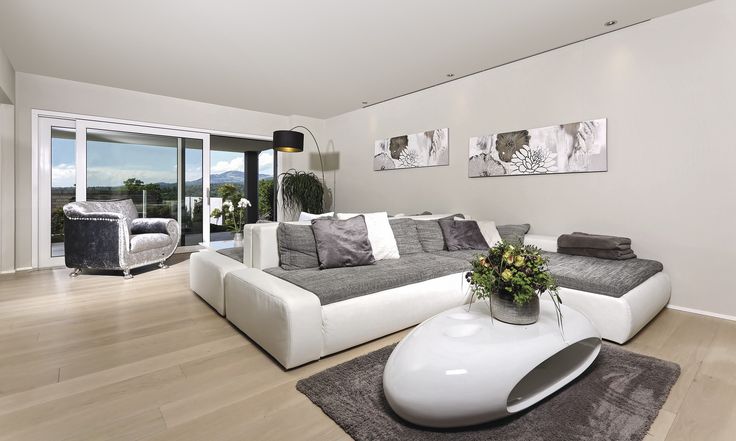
<point>610,23</point>
<point>450,75</point>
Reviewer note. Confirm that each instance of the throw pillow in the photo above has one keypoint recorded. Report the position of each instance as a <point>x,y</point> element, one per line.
<point>304,216</point>
<point>430,234</point>
<point>488,230</point>
<point>342,243</point>
<point>380,234</point>
<point>513,234</point>
<point>406,235</point>
<point>462,235</point>
<point>297,246</point>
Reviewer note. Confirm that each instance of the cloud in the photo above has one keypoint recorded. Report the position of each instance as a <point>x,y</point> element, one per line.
<point>236,163</point>
<point>109,176</point>
<point>63,175</point>
<point>265,164</point>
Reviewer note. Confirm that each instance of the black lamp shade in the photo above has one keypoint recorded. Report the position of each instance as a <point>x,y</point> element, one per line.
<point>288,141</point>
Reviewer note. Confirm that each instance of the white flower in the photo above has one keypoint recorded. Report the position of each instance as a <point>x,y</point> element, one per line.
<point>243,203</point>
<point>533,160</point>
<point>232,208</point>
<point>225,204</point>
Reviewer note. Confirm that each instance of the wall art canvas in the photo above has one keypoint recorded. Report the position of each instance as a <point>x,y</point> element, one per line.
<point>567,148</point>
<point>424,149</point>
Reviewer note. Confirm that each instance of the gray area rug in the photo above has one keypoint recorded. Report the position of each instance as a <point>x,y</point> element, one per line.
<point>617,398</point>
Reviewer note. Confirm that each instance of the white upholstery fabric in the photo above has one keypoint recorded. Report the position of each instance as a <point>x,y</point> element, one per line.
<point>282,318</point>
<point>545,243</point>
<point>260,245</point>
<point>207,271</point>
<point>361,319</point>
<point>304,216</point>
<point>380,234</point>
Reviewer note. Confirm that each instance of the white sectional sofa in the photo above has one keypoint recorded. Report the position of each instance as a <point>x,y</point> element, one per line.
<point>292,325</point>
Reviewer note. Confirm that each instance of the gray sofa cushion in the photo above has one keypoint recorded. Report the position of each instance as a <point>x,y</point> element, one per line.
<point>335,285</point>
<point>297,247</point>
<point>513,234</point>
<point>342,243</point>
<point>601,276</point>
<point>148,241</point>
<point>406,235</point>
<point>462,235</point>
<point>465,255</point>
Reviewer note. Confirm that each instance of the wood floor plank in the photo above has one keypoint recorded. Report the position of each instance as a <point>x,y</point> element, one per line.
<point>101,358</point>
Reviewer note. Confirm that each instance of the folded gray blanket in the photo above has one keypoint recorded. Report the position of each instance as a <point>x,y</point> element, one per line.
<point>596,241</point>
<point>596,252</point>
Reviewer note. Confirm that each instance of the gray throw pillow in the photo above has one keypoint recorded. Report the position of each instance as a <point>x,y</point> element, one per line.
<point>297,247</point>
<point>430,233</point>
<point>462,235</point>
<point>406,235</point>
<point>513,234</point>
<point>342,243</point>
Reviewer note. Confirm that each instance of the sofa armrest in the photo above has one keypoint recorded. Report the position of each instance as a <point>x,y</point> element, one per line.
<point>545,243</point>
<point>281,317</point>
<point>153,225</point>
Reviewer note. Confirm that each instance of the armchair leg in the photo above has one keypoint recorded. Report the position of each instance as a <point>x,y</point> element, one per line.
<point>76,272</point>
<point>127,275</point>
<point>162,265</point>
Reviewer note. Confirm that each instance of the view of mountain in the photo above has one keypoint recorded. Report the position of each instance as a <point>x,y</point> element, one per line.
<point>228,177</point>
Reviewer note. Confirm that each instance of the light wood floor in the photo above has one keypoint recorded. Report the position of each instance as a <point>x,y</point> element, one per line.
<point>101,358</point>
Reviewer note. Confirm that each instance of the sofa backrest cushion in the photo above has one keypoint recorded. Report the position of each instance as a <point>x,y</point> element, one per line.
<point>462,235</point>
<point>297,247</point>
<point>430,233</point>
<point>342,243</point>
<point>406,235</point>
<point>513,234</point>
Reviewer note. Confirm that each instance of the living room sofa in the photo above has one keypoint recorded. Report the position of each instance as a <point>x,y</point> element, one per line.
<point>298,324</point>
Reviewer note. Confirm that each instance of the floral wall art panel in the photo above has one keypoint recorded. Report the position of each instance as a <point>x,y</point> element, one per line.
<point>424,149</point>
<point>566,148</point>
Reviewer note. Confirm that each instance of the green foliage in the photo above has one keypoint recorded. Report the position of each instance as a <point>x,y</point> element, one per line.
<point>265,199</point>
<point>234,207</point>
<point>302,191</point>
<point>516,272</point>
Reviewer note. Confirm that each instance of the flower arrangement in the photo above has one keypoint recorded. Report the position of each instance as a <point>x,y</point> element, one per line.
<point>233,214</point>
<point>513,273</point>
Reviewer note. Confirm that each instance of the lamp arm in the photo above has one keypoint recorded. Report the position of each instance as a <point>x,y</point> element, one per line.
<point>321,164</point>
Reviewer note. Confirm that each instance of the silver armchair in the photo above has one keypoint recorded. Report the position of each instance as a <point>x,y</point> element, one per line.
<point>109,235</point>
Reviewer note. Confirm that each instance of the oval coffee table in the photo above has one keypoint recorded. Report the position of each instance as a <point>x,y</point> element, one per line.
<point>459,368</point>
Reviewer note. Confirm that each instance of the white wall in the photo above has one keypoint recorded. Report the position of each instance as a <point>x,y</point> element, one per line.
<point>7,173</point>
<point>45,93</point>
<point>667,88</point>
<point>7,80</point>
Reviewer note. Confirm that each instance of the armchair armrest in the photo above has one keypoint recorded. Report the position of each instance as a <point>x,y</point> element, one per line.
<point>154,225</point>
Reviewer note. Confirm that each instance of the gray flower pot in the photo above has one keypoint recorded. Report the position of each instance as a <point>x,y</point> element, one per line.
<point>505,310</point>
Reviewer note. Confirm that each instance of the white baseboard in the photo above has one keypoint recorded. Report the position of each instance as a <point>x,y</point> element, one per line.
<point>8,272</point>
<point>701,312</point>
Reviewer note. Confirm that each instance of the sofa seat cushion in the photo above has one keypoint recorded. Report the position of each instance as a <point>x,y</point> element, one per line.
<point>148,241</point>
<point>337,284</point>
<point>600,276</point>
<point>464,255</point>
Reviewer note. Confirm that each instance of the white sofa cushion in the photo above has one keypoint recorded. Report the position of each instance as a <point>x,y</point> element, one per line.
<point>304,216</point>
<point>380,234</point>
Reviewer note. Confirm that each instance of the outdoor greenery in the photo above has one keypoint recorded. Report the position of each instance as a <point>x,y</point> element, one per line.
<point>302,191</point>
<point>234,206</point>
<point>514,272</point>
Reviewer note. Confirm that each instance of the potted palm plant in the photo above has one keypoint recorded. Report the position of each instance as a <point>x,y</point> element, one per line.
<point>513,278</point>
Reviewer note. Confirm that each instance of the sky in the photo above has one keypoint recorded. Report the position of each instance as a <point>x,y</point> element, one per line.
<point>109,164</point>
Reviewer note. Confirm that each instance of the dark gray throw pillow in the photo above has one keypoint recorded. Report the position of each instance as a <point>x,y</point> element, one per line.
<point>513,234</point>
<point>342,243</point>
<point>430,234</point>
<point>406,235</point>
<point>462,235</point>
<point>297,247</point>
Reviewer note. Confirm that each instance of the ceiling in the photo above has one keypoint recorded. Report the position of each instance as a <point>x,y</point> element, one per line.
<point>317,58</point>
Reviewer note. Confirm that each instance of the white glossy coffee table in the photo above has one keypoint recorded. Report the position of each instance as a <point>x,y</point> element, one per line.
<point>459,368</point>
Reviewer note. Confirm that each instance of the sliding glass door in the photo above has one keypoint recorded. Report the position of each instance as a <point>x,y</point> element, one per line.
<point>161,170</point>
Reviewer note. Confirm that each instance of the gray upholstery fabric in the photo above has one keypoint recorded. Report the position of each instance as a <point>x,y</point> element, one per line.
<point>235,253</point>
<point>607,277</point>
<point>616,399</point>
<point>599,253</point>
<point>342,243</point>
<point>465,255</point>
<point>430,235</point>
<point>513,234</point>
<point>297,247</point>
<point>406,235</point>
<point>462,235</point>
<point>148,241</point>
<point>99,235</point>
<point>335,285</point>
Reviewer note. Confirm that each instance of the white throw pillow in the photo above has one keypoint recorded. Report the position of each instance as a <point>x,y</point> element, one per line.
<point>304,216</point>
<point>380,234</point>
<point>488,230</point>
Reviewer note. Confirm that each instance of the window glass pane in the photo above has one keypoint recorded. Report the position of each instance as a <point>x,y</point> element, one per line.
<point>63,177</point>
<point>191,221</point>
<point>265,186</point>
<point>227,178</point>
